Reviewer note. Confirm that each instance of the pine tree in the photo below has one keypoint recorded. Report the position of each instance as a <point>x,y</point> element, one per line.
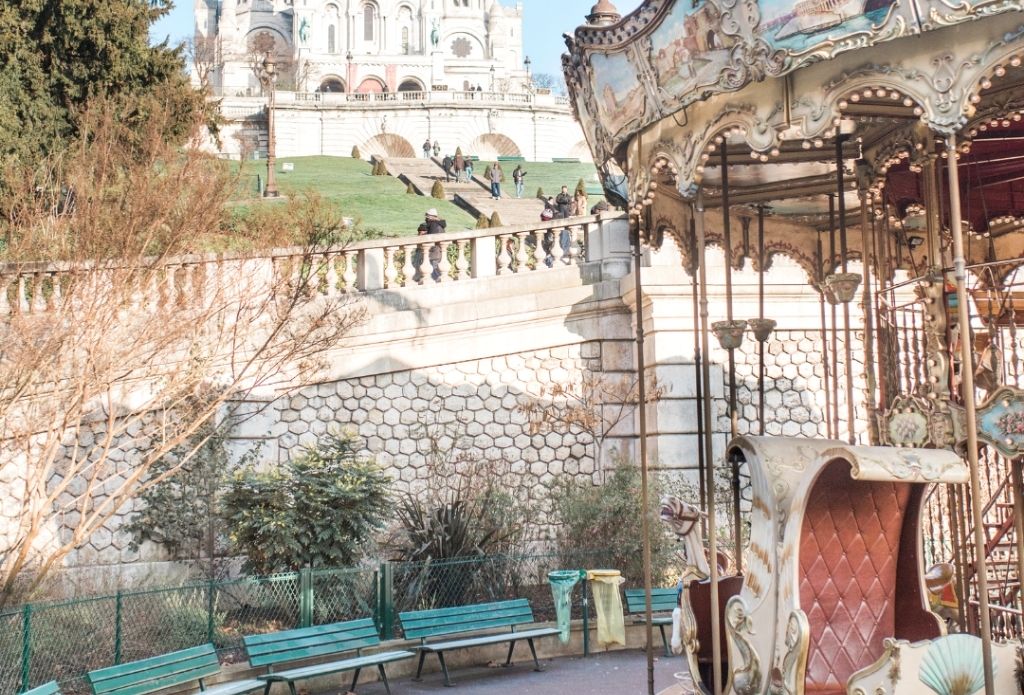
<point>409,189</point>
<point>581,188</point>
<point>496,220</point>
<point>540,192</point>
<point>356,154</point>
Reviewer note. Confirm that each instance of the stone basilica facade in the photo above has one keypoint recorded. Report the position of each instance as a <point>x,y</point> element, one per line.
<point>364,46</point>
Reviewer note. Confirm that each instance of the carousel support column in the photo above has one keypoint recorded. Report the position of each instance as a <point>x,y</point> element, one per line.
<point>869,323</point>
<point>835,317</point>
<point>733,413</point>
<point>955,521</point>
<point>1017,470</point>
<point>931,204</point>
<point>644,488</point>
<point>760,315</point>
<point>967,384</point>
<point>851,419</point>
<point>709,455</point>
<point>824,344</point>
<point>699,390</point>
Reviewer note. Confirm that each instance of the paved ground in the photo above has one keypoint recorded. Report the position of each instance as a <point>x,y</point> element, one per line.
<point>613,673</point>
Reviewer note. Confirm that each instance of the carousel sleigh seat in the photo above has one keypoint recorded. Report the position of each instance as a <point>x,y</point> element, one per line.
<point>834,567</point>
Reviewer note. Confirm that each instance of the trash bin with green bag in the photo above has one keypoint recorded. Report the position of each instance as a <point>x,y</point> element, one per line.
<point>562,583</point>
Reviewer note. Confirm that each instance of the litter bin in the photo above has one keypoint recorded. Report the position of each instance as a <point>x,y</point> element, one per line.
<point>562,583</point>
<point>611,628</point>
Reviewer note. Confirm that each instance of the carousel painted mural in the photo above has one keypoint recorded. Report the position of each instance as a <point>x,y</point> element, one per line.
<point>880,145</point>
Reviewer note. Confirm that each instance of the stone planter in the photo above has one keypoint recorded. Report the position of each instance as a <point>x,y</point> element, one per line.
<point>762,328</point>
<point>843,285</point>
<point>729,333</point>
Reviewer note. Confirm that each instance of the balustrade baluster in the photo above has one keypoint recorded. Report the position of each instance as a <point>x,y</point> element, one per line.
<point>462,260</point>
<point>423,268</point>
<point>390,271</point>
<point>573,252</point>
<point>444,267</point>
<point>521,255</point>
<point>5,304</point>
<point>408,269</point>
<point>21,296</point>
<point>349,276</point>
<point>504,258</point>
<point>540,256</point>
<point>331,274</point>
<point>38,300</point>
<point>187,286</point>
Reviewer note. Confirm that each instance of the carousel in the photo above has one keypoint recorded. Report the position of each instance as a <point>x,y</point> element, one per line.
<point>880,145</point>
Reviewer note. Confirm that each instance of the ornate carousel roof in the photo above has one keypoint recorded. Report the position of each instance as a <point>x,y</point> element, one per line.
<point>781,93</point>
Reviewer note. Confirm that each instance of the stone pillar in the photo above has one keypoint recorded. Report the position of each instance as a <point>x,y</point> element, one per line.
<point>666,308</point>
<point>371,270</point>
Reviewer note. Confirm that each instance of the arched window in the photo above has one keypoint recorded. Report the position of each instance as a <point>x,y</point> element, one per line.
<point>369,15</point>
<point>405,40</point>
<point>331,47</point>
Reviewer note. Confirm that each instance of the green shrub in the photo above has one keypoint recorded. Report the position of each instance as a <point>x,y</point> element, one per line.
<point>174,626</point>
<point>540,192</point>
<point>607,517</point>
<point>458,151</point>
<point>482,222</point>
<point>320,509</point>
<point>356,154</point>
<point>437,191</point>
<point>410,189</point>
<point>581,188</point>
<point>496,220</point>
<point>379,168</point>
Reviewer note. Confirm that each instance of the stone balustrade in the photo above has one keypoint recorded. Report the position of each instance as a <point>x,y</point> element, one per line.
<point>433,97</point>
<point>368,266</point>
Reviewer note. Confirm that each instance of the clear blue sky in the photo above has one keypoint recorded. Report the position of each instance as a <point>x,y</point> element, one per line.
<point>544,23</point>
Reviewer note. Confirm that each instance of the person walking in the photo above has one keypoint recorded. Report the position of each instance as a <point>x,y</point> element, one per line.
<point>437,149</point>
<point>435,225</point>
<point>469,170</point>
<point>460,165</point>
<point>426,148</point>
<point>564,202</point>
<point>446,164</point>
<point>519,179</point>
<point>496,176</point>
<point>579,202</point>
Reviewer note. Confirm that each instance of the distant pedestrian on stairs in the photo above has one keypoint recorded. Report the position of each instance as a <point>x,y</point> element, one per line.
<point>564,202</point>
<point>437,149</point>
<point>519,179</point>
<point>447,164</point>
<point>460,166</point>
<point>496,177</point>
<point>426,148</point>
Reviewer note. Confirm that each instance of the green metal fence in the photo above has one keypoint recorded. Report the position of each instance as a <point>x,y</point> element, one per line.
<point>63,640</point>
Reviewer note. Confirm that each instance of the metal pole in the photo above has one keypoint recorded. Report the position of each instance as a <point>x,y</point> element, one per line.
<point>644,490</point>
<point>851,418</point>
<point>716,645</point>
<point>1018,523</point>
<point>271,190</point>
<point>955,522</point>
<point>869,321</point>
<point>824,343</point>
<point>835,319</point>
<point>760,315</point>
<point>733,414</point>
<point>699,391</point>
<point>967,384</point>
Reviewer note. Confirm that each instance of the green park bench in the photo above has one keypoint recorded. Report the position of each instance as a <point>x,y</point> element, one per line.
<point>167,671</point>
<point>566,160</point>
<point>511,158</point>
<point>320,641</point>
<point>44,689</point>
<point>439,622</point>
<point>662,600</point>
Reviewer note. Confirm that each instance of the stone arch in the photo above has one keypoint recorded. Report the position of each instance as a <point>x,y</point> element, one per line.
<point>494,145</point>
<point>371,85</point>
<point>332,83</point>
<point>410,84</point>
<point>388,145</point>
<point>581,151</point>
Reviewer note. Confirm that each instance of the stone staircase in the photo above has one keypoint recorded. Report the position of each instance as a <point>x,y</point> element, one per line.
<point>473,196</point>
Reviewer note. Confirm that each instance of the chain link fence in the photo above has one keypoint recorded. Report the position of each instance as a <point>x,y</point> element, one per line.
<point>64,640</point>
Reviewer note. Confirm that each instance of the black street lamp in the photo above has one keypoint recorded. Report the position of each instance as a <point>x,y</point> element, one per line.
<point>527,63</point>
<point>268,78</point>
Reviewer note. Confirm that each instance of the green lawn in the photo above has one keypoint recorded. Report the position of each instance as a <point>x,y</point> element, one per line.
<point>375,203</point>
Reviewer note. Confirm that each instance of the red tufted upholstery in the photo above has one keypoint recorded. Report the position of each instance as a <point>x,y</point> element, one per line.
<point>849,548</point>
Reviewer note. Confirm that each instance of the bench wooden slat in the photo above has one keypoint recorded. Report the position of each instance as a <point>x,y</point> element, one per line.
<point>661,600</point>
<point>472,608</point>
<point>336,666</point>
<point>307,643</point>
<point>44,689</point>
<point>490,639</point>
<point>156,673</point>
<point>444,621</point>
